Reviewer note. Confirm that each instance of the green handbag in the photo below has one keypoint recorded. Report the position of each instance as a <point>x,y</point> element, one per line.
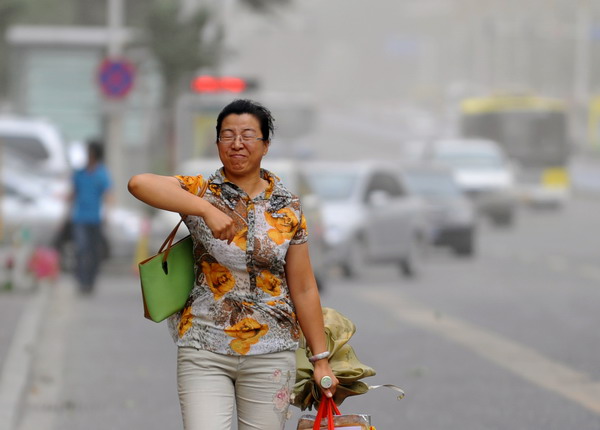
<point>168,277</point>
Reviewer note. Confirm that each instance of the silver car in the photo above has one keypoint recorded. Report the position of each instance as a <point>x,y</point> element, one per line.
<point>483,172</point>
<point>369,216</point>
<point>450,215</point>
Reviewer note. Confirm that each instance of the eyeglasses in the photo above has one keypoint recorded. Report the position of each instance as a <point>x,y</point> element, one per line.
<point>229,138</point>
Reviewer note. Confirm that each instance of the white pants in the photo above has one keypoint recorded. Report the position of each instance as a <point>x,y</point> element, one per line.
<point>209,384</point>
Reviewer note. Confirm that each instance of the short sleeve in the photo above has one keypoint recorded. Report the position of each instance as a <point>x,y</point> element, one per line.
<point>301,234</point>
<point>107,181</point>
<point>192,184</point>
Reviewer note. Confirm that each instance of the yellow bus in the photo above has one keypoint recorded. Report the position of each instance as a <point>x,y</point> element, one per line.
<point>534,133</point>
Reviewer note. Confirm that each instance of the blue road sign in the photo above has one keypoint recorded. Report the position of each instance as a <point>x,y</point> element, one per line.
<point>116,77</point>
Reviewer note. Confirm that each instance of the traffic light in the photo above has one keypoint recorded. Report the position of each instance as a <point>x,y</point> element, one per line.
<point>216,84</point>
<point>213,84</point>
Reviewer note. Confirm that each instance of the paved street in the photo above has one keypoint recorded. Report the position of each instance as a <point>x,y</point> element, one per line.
<point>508,339</point>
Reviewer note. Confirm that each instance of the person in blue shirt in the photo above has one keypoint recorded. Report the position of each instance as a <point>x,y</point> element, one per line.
<point>91,186</point>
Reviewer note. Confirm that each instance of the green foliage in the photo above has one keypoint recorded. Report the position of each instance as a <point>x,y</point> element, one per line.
<point>264,6</point>
<point>177,42</point>
<point>9,11</point>
<point>46,12</point>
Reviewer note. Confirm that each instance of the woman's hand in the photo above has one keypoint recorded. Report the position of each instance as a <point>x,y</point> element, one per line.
<point>221,224</point>
<point>322,369</point>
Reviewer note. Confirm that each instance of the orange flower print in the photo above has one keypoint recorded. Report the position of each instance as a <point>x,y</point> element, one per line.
<point>185,323</point>
<point>192,183</point>
<point>285,225</point>
<point>215,189</point>
<point>240,238</point>
<point>269,283</point>
<point>247,332</point>
<point>218,277</point>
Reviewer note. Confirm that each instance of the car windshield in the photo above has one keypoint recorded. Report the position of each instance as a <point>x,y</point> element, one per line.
<point>470,159</point>
<point>332,185</point>
<point>26,147</point>
<point>431,184</point>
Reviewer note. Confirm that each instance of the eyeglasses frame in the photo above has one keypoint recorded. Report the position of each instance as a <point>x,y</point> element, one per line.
<point>241,139</point>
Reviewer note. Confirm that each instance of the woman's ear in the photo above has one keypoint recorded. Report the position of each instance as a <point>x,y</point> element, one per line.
<point>266,148</point>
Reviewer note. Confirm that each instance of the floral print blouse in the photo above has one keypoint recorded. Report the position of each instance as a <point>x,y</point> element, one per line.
<point>240,303</point>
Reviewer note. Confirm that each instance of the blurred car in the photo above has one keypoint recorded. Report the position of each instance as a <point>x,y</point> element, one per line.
<point>31,209</point>
<point>369,216</point>
<point>37,143</point>
<point>451,218</point>
<point>482,171</point>
<point>36,183</point>
<point>35,178</point>
<point>290,175</point>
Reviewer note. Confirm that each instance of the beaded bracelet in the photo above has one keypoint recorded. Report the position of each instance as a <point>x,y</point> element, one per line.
<point>319,356</point>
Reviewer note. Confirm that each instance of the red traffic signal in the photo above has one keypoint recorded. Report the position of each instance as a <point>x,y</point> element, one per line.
<point>212,84</point>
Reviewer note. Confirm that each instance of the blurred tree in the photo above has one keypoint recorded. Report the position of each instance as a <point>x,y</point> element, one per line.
<point>180,46</point>
<point>9,10</point>
<point>182,43</point>
<point>264,5</point>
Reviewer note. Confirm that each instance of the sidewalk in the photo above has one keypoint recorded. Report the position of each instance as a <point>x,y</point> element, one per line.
<point>12,306</point>
<point>21,315</point>
<point>99,364</point>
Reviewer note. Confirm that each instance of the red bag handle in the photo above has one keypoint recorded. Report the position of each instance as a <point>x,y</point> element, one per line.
<point>327,409</point>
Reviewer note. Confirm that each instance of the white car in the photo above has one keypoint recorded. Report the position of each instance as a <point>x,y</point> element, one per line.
<point>37,142</point>
<point>32,209</point>
<point>291,175</point>
<point>483,172</point>
<point>369,216</point>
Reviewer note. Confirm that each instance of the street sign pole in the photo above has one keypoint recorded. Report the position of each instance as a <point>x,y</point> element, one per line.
<point>114,106</point>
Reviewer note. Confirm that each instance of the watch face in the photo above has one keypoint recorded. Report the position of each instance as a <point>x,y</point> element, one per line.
<point>326,382</point>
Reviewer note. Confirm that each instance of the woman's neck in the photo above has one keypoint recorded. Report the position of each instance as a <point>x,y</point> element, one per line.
<point>252,185</point>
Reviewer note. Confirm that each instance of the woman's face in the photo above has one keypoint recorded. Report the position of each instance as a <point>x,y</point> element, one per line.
<point>241,157</point>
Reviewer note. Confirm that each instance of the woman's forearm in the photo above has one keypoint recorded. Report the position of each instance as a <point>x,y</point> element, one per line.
<point>165,192</point>
<point>310,317</point>
<point>305,295</point>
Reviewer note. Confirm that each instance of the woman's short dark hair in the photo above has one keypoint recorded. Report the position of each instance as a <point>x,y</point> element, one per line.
<point>242,106</point>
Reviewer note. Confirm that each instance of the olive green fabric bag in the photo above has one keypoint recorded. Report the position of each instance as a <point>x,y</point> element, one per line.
<point>342,359</point>
<point>167,278</point>
<point>346,366</point>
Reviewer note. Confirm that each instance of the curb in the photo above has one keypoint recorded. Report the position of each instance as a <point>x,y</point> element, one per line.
<point>15,373</point>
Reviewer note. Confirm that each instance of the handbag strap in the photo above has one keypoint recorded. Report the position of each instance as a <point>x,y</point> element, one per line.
<point>327,409</point>
<point>166,246</point>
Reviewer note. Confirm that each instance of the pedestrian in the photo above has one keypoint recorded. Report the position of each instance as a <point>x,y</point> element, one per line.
<point>255,292</point>
<point>91,186</point>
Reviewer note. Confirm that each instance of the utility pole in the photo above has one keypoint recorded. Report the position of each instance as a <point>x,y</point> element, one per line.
<point>581,72</point>
<point>114,108</point>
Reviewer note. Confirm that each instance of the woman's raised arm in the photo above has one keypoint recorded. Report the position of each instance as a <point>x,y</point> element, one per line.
<point>165,192</point>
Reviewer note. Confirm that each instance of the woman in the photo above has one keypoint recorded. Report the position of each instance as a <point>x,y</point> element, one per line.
<point>237,334</point>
